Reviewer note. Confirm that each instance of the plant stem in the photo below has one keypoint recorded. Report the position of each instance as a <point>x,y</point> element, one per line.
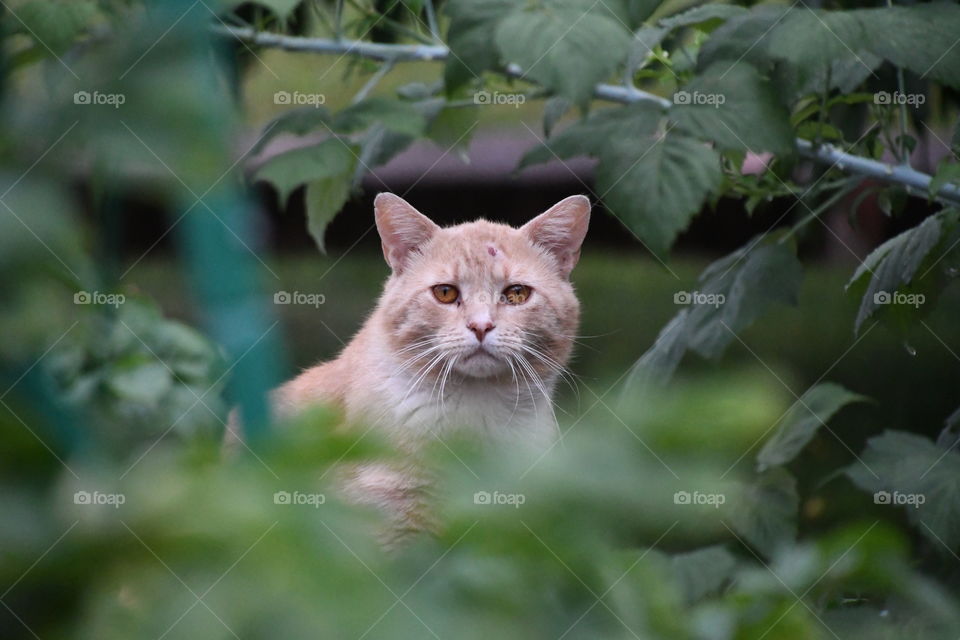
<point>824,206</point>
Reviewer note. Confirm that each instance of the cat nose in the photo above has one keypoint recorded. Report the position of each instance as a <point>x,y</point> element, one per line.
<point>480,328</point>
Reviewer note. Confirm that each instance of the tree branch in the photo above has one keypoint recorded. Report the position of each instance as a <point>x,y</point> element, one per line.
<point>914,181</point>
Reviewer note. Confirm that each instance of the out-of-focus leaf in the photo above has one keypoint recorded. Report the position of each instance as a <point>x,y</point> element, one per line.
<point>703,572</point>
<point>906,470</point>
<point>141,382</point>
<point>800,424</point>
<point>734,291</point>
<point>55,25</point>
<point>764,512</point>
<point>699,15</point>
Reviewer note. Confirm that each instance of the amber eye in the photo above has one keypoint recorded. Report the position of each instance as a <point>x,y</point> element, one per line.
<point>446,293</point>
<point>516,293</point>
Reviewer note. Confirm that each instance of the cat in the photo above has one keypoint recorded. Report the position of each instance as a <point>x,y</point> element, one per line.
<point>471,334</point>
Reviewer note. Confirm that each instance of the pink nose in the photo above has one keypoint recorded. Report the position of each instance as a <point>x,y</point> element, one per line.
<point>480,329</point>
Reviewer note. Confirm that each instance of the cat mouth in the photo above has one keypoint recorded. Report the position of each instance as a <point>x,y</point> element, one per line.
<point>480,351</point>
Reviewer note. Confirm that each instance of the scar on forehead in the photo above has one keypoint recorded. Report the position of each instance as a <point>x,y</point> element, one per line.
<point>492,250</point>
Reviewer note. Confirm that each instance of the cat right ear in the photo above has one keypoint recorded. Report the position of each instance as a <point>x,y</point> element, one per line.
<point>402,229</point>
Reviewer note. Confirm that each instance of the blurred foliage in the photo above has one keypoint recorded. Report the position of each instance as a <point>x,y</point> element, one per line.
<point>678,514</point>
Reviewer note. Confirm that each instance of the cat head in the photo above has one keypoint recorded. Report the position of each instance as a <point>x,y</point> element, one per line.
<point>481,299</point>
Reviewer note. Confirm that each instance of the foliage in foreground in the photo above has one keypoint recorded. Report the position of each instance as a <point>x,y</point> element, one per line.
<point>598,538</point>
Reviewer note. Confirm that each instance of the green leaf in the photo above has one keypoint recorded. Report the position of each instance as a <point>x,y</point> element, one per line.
<point>947,173</point>
<point>398,116</point>
<point>141,382</point>
<point>298,122</point>
<point>470,37</point>
<point>736,108</point>
<point>893,265</point>
<point>55,25</point>
<point>764,511</point>
<point>802,421</point>
<point>921,38</point>
<point>815,39</point>
<point>743,38</point>
<point>915,474</point>
<point>554,109</point>
<point>324,198</point>
<point>734,291</point>
<point>599,133</point>
<point>703,572</point>
<point>645,40</point>
<point>556,46</point>
<point>750,280</point>
<point>656,185</point>
<point>707,13</point>
<point>287,171</point>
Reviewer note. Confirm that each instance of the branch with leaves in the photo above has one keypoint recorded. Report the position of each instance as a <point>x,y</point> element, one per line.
<point>913,180</point>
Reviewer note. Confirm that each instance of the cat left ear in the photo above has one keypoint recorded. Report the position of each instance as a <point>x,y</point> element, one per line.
<point>402,229</point>
<point>560,230</point>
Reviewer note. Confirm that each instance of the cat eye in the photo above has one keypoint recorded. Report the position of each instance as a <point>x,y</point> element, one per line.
<point>516,294</point>
<point>446,293</point>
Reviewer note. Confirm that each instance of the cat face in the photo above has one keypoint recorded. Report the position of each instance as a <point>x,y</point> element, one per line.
<point>481,300</point>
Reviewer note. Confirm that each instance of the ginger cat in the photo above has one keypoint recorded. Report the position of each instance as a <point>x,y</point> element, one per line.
<point>473,329</point>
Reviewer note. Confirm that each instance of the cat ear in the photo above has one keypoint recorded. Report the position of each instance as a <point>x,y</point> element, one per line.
<point>402,228</point>
<point>561,229</point>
